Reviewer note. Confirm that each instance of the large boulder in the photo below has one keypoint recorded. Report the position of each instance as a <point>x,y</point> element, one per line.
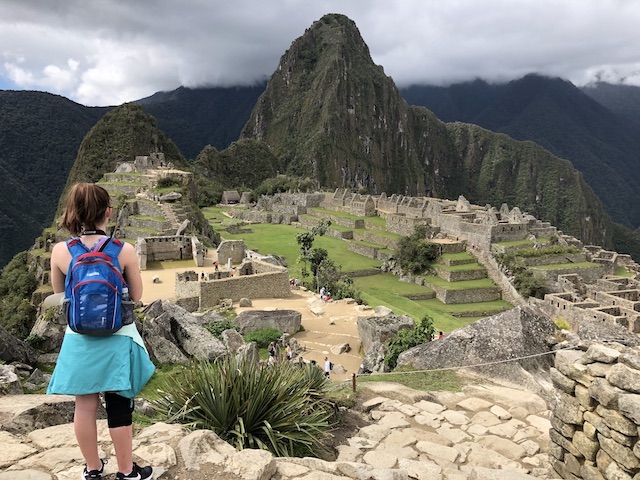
<point>167,322</point>
<point>25,413</point>
<point>12,349</point>
<point>287,321</point>
<point>520,332</point>
<point>9,381</point>
<point>374,359</point>
<point>381,326</point>
<point>49,329</point>
<point>232,340</point>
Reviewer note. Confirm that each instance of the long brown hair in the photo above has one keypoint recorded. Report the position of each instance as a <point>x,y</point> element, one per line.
<point>85,207</point>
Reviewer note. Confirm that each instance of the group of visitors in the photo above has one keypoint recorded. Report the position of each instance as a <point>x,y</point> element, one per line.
<point>325,294</point>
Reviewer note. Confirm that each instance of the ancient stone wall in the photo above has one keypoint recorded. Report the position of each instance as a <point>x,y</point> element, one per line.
<point>460,275</point>
<point>372,237</point>
<point>274,284</point>
<point>588,274</point>
<point>148,208</point>
<point>595,422</point>
<point>157,249</point>
<point>231,249</point>
<point>509,232</point>
<point>402,225</point>
<point>365,250</point>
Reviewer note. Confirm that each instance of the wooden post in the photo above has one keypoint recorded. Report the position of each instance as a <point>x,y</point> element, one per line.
<point>353,382</point>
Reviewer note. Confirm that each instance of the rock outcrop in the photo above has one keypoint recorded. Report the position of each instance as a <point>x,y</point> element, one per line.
<point>173,335</point>
<point>286,321</point>
<point>520,332</point>
<point>13,349</point>
<point>381,326</point>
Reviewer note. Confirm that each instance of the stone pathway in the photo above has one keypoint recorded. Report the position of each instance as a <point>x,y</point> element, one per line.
<point>483,433</point>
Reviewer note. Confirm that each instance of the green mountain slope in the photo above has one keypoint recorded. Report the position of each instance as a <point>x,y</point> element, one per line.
<point>39,138</point>
<point>330,112</point>
<point>555,114</point>
<point>195,117</point>
<point>119,136</point>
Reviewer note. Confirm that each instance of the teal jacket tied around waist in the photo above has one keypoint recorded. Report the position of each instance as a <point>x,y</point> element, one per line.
<point>88,364</point>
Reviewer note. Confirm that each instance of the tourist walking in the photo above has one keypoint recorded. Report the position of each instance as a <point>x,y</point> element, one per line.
<point>116,364</point>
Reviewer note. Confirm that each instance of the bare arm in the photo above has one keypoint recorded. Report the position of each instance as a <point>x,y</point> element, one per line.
<point>60,258</point>
<point>131,271</point>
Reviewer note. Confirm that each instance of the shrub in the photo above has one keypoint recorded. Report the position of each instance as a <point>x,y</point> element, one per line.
<point>529,284</point>
<point>218,326</point>
<point>263,337</point>
<point>166,182</point>
<point>561,323</point>
<point>283,408</point>
<point>415,254</point>
<point>421,333</point>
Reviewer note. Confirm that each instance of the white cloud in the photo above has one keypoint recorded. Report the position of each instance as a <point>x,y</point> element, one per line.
<point>113,51</point>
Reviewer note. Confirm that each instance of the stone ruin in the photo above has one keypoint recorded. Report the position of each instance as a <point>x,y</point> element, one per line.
<point>173,247</point>
<point>253,279</point>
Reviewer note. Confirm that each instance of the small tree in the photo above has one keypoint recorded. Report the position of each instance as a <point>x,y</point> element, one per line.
<point>415,254</point>
<point>312,257</point>
<point>421,333</point>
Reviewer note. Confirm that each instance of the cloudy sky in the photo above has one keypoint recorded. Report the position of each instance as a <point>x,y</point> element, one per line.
<point>106,52</point>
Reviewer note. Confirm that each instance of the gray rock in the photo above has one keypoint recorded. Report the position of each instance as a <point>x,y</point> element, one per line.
<point>519,332</point>
<point>9,381</point>
<point>249,351</point>
<point>245,302</point>
<point>170,197</point>
<point>599,353</point>
<point>374,359</point>
<point>629,405</point>
<point>286,321</point>
<point>379,328</point>
<point>160,342</point>
<point>598,331</point>
<point>605,393</point>
<point>12,349</point>
<point>624,377</point>
<point>232,340</point>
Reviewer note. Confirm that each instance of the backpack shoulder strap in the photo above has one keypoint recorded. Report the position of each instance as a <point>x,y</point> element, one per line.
<point>76,247</point>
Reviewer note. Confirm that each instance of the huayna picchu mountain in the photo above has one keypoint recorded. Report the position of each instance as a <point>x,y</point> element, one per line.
<point>331,113</point>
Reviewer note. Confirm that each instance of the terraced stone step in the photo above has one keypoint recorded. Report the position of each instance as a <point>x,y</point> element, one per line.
<point>473,271</point>
<point>472,291</point>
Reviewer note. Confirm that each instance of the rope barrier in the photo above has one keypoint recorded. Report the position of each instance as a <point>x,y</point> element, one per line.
<point>497,362</point>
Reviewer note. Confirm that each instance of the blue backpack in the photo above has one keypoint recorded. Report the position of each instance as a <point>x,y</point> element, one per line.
<point>93,288</point>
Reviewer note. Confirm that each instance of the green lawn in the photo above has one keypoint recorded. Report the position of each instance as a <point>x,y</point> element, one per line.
<point>623,272</point>
<point>462,285</point>
<point>519,243</point>
<point>281,240</point>
<point>464,266</point>
<point>565,265</point>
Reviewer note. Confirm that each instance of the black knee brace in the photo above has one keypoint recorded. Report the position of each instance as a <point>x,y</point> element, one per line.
<point>119,410</point>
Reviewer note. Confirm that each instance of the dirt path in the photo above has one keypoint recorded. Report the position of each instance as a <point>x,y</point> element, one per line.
<point>336,325</point>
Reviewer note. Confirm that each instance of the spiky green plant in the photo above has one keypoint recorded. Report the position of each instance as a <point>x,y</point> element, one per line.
<point>282,408</point>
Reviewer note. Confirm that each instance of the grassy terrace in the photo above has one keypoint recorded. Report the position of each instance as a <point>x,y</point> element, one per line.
<point>522,243</point>
<point>148,217</point>
<point>557,266</point>
<point>462,285</point>
<point>623,272</point>
<point>458,268</point>
<point>458,256</point>
<point>281,240</point>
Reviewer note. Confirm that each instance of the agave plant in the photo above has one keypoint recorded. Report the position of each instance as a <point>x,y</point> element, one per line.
<point>282,408</point>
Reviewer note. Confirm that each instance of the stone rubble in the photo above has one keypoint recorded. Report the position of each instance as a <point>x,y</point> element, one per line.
<point>485,433</point>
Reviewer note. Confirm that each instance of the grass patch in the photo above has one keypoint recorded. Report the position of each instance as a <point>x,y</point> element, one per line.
<point>458,268</point>
<point>280,240</point>
<point>446,380</point>
<point>150,390</point>
<point>378,221</point>
<point>519,243</point>
<point>148,217</point>
<point>336,214</point>
<point>461,285</point>
<point>622,272</point>
<point>559,266</point>
<point>457,256</point>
